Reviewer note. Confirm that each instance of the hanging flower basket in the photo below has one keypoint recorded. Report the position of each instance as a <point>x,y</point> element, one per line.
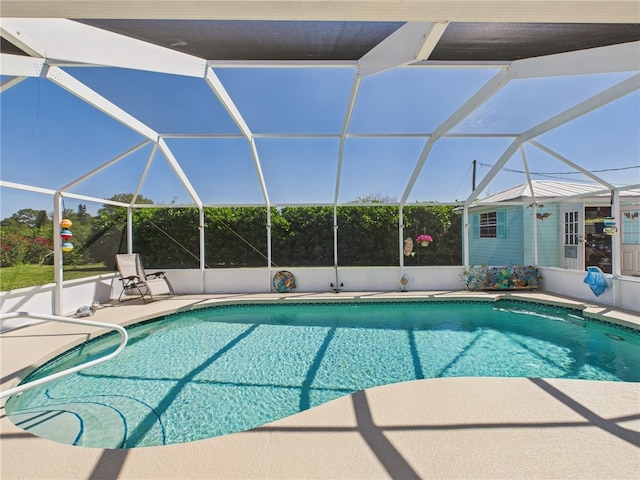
<point>424,240</point>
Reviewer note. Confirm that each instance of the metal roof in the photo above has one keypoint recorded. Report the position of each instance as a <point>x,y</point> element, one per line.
<point>541,189</point>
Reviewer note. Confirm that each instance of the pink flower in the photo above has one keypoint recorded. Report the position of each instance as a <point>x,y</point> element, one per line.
<point>424,238</point>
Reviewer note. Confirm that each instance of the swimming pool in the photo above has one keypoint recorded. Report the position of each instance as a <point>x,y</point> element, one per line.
<point>215,371</point>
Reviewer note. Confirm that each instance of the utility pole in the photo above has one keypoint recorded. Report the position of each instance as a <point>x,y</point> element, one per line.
<point>473,177</point>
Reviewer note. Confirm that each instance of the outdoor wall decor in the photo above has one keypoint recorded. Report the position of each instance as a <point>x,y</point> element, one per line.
<point>511,277</point>
<point>284,281</point>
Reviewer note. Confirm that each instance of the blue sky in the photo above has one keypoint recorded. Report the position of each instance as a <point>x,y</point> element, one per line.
<point>49,137</point>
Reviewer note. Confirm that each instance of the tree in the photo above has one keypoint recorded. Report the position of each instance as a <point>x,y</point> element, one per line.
<point>29,218</point>
<point>26,237</point>
<point>374,198</point>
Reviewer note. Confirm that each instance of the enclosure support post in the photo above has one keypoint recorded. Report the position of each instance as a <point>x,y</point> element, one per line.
<point>534,207</point>
<point>269,284</point>
<point>129,230</point>
<point>465,236</point>
<point>202,248</point>
<point>336,286</point>
<point>616,248</point>
<point>58,275</point>
<point>534,232</point>
<point>401,240</point>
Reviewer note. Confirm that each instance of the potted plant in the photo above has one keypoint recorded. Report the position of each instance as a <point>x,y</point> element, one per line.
<point>424,240</point>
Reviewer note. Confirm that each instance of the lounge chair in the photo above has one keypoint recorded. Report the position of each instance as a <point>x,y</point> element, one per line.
<point>135,280</point>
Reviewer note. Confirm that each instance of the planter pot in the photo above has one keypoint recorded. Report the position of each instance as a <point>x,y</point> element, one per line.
<point>425,244</point>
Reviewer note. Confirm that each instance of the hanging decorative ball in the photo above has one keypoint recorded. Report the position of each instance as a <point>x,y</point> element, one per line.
<point>67,247</point>
<point>66,223</point>
<point>66,234</point>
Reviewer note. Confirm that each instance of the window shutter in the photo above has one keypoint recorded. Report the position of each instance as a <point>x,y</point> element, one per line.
<point>475,226</point>
<point>501,220</point>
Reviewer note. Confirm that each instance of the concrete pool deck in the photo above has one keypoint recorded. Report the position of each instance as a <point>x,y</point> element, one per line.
<point>439,428</point>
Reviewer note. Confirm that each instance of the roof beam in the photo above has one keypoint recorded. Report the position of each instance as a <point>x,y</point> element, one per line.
<point>179,172</point>
<point>617,91</point>
<point>258,166</point>
<point>624,57</point>
<point>218,88</point>
<point>104,166</point>
<point>10,82</point>
<point>80,90</point>
<point>355,88</point>
<point>412,42</point>
<point>568,162</point>
<point>579,11</point>
<point>21,66</point>
<point>216,85</point>
<point>481,96</point>
<point>22,40</point>
<point>68,41</point>
<point>144,174</point>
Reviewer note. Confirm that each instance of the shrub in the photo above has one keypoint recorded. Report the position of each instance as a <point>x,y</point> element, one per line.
<point>13,249</point>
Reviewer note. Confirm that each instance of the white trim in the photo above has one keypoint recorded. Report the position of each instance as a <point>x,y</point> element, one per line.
<point>586,11</point>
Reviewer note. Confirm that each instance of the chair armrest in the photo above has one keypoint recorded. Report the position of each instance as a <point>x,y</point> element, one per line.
<point>130,280</point>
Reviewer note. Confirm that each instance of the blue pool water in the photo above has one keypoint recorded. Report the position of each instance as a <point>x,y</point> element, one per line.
<point>206,373</point>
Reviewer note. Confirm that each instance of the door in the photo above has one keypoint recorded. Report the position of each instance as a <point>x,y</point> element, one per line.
<point>630,239</point>
<point>597,243</point>
<point>571,249</point>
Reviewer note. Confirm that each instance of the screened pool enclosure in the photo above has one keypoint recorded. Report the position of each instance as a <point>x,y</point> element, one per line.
<point>225,142</point>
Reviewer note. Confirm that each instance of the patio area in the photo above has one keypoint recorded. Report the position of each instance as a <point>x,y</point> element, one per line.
<point>438,428</point>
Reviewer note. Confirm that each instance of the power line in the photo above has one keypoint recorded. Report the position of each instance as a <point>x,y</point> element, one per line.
<point>562,173</point>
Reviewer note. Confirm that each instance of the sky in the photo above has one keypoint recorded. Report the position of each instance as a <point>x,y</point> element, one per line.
<point>49,137</point>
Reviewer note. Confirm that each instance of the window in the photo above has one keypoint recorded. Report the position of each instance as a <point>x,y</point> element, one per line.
<point>631,228</point>
<point>571,236</point>
<point>488,225</point>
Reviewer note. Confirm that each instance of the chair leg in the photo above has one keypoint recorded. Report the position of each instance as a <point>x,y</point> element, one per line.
<point>139,293</point>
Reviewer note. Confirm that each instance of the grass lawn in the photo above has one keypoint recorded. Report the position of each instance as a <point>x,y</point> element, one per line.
<point>31,275</point>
